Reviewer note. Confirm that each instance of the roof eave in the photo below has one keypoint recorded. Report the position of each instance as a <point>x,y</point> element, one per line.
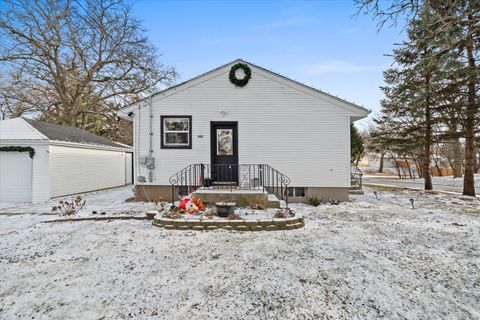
<point>125,148</point>
<point>126,114</point>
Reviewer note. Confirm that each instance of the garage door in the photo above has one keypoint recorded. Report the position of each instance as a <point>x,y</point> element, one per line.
<point>15,177</point>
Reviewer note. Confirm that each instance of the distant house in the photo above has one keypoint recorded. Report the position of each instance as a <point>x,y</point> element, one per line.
<point>241,127</point>
<point>39,161</point>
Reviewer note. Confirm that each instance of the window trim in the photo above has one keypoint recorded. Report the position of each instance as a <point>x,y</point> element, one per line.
<point>162,133</point>
<point>304,192</point>
<point>294,192</point>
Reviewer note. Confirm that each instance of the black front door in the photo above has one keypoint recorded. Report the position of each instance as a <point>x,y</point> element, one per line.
<point>224,152</point>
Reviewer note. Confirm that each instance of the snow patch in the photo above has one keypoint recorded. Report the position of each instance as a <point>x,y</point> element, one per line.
<point>364,259</point>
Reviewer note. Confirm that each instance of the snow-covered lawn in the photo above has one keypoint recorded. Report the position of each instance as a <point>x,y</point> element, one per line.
<point>366,259</point>
<point>111,201</point>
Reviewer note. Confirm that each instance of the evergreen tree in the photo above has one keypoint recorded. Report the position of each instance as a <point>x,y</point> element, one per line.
<point>409,92</point>
<point>449,34</point>
<point>356,144</point>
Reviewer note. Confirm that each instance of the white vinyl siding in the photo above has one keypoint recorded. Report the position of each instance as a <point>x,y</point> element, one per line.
<point>41,177</point>
<point>128,168</point>
<point>304,136</point>
<point>58,167</point>
<point>76,170</point>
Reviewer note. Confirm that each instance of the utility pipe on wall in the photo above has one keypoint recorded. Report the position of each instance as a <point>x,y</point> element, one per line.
<point>150,151</point>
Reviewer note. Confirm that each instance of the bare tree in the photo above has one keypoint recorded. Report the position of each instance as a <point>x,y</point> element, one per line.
<point>11,105</point>
<point>390,12</point>
<point>82,57</point>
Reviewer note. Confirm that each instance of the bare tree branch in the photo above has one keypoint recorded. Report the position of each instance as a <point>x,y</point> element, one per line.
<point>80,57</point>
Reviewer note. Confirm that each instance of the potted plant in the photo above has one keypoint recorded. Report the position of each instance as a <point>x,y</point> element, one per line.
<point>225,208</point>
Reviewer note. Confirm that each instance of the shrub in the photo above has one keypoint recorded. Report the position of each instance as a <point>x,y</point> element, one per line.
<point>334,201</point>
<point>284,213</point>
<point>210,213</point>
<point>314,201</point>
<point>280,214</point>
<point>161,206</point>
<point>233,216</point>
<point>69,208</point>
<point>173,214</point>
<point>257,205</point>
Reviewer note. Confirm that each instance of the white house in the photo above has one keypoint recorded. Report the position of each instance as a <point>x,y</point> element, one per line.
<point>241,126</point>
<point>39,161</point>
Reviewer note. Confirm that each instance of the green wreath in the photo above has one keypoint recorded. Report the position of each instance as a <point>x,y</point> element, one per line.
<point>240,82</point>
<point>30,150</point>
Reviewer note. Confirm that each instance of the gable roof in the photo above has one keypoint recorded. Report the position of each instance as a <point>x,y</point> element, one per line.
<point>69,134</point>
<point>362,112</point>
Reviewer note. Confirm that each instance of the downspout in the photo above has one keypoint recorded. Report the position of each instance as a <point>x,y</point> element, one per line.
<point>150,133</point>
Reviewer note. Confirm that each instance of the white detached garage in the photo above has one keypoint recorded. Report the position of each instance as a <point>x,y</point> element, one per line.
<point>39,161</point>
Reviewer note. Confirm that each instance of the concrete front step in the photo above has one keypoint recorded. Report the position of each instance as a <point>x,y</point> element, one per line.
<point>241,198</point>
<point>273,201</point>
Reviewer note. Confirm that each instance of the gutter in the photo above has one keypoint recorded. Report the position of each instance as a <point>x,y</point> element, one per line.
<point>89,146</point>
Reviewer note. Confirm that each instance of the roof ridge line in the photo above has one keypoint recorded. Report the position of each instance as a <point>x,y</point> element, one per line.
<point>25,120</point>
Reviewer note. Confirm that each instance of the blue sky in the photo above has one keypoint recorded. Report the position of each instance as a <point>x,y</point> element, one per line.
<point>318,43</point>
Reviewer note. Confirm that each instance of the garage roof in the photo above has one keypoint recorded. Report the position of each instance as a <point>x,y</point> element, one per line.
<point>70,134</point>
<point>28,129</point>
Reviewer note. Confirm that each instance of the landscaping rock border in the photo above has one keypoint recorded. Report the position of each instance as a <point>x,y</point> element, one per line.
<point>239,225</point>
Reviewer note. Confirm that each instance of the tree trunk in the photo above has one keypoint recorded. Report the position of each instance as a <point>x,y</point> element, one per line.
<point>475,164</point>
<point>428,139</point>
<point>73,121</point>
<point>408,167</point>
<point>439,170</point>
<point>468,179</point>
<point>418,168</point>
<point>457,159</point>
<point>395,164</point>
<point>382,158</point>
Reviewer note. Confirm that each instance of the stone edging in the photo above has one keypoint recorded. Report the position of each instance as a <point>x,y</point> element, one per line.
<point>239,225</point>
